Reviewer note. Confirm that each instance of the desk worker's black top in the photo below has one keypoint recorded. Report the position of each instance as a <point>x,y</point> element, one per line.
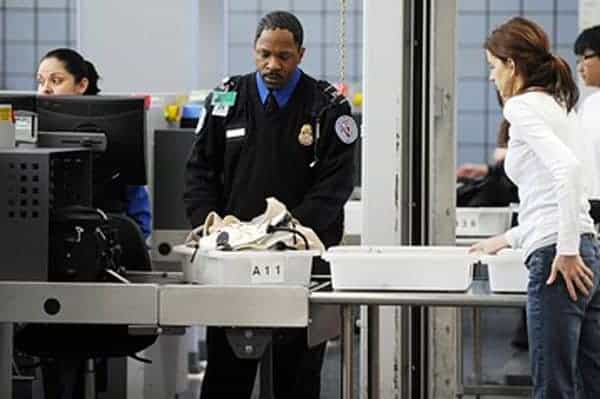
<point>244,154</point>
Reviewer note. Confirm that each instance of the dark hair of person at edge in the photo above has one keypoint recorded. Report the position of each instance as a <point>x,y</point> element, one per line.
<point>588,39</point>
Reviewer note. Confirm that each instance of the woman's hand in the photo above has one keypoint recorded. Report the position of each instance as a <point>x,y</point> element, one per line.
<point>491,245</point>
<point>472,170</point>
<point>575,272</point>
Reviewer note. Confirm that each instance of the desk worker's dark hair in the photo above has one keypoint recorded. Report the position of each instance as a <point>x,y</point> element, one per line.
<point>281,20</point>
<point>526,43</point>
<point>588,39</point>
<point>77,66</point>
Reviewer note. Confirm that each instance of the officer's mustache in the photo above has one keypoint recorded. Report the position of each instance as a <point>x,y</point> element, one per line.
<point>273,75</point>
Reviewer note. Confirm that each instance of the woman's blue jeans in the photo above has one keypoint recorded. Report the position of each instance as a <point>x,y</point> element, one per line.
<point>564,335</point>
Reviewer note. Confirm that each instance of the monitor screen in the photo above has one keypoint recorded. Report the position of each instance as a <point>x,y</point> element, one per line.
<point>120,119</point>
<point>171,150</point>
<point>19,101</point>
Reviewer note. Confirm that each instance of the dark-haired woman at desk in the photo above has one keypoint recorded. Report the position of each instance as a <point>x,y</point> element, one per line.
<point>65,72</point>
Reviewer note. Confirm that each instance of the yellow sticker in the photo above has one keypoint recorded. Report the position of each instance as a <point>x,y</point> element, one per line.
<point>5,113</point>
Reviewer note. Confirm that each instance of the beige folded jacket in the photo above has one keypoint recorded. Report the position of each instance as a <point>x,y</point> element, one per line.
<point>264,232</point>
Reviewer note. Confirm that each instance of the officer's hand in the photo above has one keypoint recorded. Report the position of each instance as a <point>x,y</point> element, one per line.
<point>574,272</point>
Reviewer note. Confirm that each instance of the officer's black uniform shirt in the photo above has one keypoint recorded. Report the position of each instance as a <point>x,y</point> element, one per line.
<point>233,171</point>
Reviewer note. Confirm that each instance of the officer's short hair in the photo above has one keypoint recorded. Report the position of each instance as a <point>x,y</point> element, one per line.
<point>589,39</point>
<point>281,20</point>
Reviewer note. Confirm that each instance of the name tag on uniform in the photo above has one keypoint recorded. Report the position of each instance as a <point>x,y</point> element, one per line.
<point>233,133</point>
<point>221,101</point>
<point>226,98</point>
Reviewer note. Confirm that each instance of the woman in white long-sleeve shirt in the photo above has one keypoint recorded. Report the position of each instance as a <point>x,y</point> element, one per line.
<point>555,229</point>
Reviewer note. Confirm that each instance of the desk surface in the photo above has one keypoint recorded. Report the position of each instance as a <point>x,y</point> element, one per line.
<point>478,294</point>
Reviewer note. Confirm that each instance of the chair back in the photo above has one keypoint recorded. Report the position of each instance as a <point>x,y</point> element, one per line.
<point>134,252</point>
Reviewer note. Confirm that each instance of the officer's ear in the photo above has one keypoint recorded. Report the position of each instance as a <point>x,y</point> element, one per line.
<point>301,52</point>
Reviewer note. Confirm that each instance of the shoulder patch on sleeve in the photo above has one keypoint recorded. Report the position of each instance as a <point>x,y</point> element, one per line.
<point>346,129</point>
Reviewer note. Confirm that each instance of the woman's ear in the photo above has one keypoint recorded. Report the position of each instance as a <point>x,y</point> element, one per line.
<point>512,66</point>
<point>516,80</point>
<point>82,86</point>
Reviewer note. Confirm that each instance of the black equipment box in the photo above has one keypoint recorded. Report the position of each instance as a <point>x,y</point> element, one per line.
<point>33,183</point>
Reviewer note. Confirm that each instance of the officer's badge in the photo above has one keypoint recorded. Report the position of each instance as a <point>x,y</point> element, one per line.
<point>306,135</point>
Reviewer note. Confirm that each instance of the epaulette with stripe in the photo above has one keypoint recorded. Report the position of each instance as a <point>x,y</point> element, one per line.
<point>331,92</point>
<point>229,83</point>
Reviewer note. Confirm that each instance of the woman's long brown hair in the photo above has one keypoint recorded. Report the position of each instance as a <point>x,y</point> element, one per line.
<point>526,43</point>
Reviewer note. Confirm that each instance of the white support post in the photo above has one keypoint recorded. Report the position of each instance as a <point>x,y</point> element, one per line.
<point>383,66</point>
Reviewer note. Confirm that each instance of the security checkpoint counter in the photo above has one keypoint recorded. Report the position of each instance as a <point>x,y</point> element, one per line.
<point>157,301</point>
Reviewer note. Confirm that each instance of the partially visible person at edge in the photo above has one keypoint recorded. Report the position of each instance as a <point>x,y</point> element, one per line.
<point>263,141</point>
<point>555,229</point>
<point>65,72</point>
<point>587,50</point>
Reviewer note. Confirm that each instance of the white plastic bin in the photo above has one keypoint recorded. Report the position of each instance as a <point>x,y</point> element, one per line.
<point>246,267</point>
<point>400,268</point>
<point>482,222</point>
<point>506,271</point>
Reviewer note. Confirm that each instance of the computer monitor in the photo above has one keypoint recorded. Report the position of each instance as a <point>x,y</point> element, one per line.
<point>19,101</point>
<point>113,126</point>
<point>23,106</point>
<point>170,224</point>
